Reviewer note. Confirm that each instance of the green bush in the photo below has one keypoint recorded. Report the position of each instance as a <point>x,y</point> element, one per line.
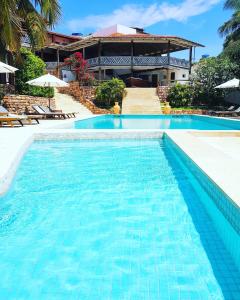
<point>31,67</point>
<point>109,92</point>
<point>180,95</point>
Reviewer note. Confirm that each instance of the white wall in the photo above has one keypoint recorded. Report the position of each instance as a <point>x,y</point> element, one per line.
<point>117,28</point>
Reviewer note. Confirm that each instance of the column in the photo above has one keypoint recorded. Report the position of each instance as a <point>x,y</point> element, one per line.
<point>190,60</point>
<point>58,60</point>
<point>99,60</point>
<point>132,55</point>
<point>168,62</point>
<point>83,53</point>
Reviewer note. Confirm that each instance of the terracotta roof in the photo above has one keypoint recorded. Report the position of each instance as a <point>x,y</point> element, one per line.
<point>74,37</point>
<point>91,40</point>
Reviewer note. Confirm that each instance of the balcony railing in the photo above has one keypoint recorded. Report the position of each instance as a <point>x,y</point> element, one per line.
<point>125,61</point>
<point>143,61</point>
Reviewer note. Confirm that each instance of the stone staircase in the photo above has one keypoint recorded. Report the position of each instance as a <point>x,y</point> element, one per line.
<point>67,103</point>
<point>141,101</point>
<point>84,96</point>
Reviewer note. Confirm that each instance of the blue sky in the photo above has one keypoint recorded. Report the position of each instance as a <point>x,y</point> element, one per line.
<point>197,20</point>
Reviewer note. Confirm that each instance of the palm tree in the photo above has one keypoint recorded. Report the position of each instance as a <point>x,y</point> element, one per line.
<point>26,18</point>
<point>231,28</point>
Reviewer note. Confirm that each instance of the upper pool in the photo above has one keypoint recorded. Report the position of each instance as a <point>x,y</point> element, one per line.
<point>158,122</point>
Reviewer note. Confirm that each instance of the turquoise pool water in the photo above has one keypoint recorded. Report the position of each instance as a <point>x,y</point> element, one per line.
<point>111,220</point>
<point>157,122</point>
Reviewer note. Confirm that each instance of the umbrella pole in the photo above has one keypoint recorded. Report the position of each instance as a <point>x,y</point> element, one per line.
<point>49,100</point>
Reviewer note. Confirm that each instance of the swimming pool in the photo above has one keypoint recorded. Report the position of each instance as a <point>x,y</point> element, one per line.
<point>107,219</point>
<point>157,122</point>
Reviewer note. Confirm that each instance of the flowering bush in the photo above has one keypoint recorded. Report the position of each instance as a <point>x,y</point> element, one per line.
<point>209,73</point>
<point>80,66</point>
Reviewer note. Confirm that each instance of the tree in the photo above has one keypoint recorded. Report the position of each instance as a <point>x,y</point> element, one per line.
<point>209,73</point>
<point>30,67</point>
<point>231,29</point>
<point>26,18</point>
<point>80,66</point>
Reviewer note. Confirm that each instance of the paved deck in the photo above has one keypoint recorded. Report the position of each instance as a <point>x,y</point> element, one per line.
<point>216,156</point>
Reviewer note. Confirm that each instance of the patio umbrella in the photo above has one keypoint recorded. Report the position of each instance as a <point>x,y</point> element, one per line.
<point>234,96</point>
<point>233,83</point>
<point>48,80</point>
<point>4,68</point>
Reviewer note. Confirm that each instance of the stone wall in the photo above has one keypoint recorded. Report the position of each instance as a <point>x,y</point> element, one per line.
<point>85,95</point>
<point>19,104</point>
<point>162,92</point>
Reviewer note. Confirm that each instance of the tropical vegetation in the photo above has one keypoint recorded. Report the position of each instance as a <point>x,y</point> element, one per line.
<point>210,72</point>
<point>231,30</point>
<point>80,66</point>
<point>180,95</point>
<point>26,18</point>
<point>30,67</point>
<point>110,91</point>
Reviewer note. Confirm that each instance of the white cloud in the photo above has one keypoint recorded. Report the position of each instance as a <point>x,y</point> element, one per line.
<point>144,16</point>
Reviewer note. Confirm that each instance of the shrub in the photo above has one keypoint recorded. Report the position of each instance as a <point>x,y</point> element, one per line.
<point>180,95</point>
<point>109,92</point>
<point>31,67</point>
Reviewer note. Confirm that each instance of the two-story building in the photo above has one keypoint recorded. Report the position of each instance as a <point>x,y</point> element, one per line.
<point>137,57</point>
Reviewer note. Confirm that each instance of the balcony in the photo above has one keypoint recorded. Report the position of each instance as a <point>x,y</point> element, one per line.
<point>138,61</point>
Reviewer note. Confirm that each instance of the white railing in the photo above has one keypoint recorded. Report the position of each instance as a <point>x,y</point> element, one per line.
<point>137,61</point>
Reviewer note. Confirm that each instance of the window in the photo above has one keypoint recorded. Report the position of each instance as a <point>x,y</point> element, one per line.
<point>184,75</point>
<point>172,75</point>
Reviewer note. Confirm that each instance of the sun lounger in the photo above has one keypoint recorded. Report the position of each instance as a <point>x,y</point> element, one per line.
<point>48,110</point>
<point>231,108</point>
<point>50,114</point>
<point>10,121</point>
<point>227,112</point>
<point>29,118</point>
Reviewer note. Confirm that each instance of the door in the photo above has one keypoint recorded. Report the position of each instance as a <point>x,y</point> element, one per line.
<point>154,80</point>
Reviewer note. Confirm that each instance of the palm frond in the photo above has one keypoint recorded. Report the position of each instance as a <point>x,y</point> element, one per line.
<point>50,10</point>
<point>232,4</point>
<point>231,25</point>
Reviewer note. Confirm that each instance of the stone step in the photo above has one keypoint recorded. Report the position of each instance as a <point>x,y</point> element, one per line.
<point>141,101</point>
<point>67,103</point>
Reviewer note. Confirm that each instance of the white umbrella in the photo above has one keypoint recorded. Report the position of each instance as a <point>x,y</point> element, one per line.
<point>234,83</point>
<point>48,80</point>
<point>4,68</point>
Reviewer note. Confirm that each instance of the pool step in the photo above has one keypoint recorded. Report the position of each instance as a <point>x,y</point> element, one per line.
<point>141,101</point>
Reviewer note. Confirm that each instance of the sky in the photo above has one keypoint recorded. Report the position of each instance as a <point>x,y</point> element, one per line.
<point>196,20</point>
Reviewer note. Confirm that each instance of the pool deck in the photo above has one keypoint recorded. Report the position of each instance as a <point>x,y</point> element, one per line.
<point>216,153</point>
